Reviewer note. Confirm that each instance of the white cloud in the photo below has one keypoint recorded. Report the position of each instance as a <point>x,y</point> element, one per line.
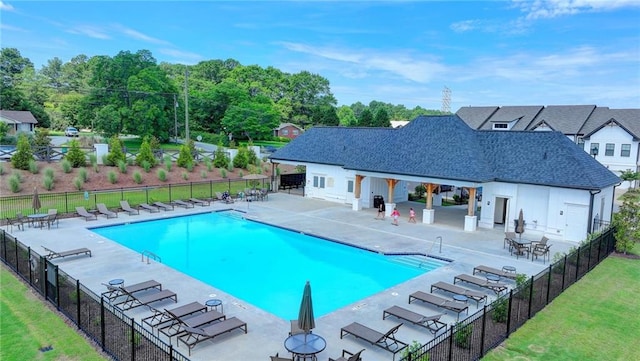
<point>184,56</point>
<point>138,35</point>
<point>5,7</point>
<point>12,28</point>
<point>463,26</point>
<point>540,9</point>
<point>90,31</point>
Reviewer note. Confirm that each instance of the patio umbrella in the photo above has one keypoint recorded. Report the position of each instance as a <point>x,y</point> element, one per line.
<point>520,225</point>
<point>306,321</point>
<point>35,202</point>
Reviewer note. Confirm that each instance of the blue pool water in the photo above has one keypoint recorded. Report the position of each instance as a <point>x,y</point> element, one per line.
<point>263,265</point>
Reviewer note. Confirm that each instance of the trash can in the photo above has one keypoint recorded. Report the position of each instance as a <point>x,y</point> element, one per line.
<point>377,200</point>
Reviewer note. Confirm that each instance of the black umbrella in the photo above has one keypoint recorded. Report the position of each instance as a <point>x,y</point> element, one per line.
<point>306,322</point>
<point>35,202</point>
<point>520,225</point>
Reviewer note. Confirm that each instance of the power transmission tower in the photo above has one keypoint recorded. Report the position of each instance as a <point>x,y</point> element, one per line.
<point>446,100</point>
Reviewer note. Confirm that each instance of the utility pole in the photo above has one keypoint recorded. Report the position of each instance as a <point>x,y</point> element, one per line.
<point>175,117</point>
<point>186,104</point>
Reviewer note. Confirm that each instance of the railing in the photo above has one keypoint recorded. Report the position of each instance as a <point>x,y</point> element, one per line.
<point>473,337</point>
<point>151,255</point>
<point>119,336</point>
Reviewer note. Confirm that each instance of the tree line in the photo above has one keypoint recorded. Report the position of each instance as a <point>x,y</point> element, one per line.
<point>134,94</point>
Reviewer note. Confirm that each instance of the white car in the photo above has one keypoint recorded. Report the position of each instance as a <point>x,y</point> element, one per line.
<point>71,132</point>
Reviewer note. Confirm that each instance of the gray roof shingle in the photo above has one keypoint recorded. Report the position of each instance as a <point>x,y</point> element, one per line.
<point>475,117</point>
<point>18,116</point>
<point>567,119</point>
<point>445,147</point>
<point>629,119</point>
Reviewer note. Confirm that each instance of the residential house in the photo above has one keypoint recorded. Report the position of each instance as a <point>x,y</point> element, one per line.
<point>18,120</point>
<point>287,130</point>
<point>559,187</point>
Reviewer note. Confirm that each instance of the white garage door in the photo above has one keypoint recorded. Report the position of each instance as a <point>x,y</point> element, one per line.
<point>575,228</point>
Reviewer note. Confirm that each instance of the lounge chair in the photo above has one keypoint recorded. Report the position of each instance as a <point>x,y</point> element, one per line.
<point>200,202</point>
<point>348,356</point>
<point>179,324</point>
<point>438,301</point>
<point>182,204</point>
<point>385,341</point>
<point>197,335</point>
<point>127,208</point>
<point>74,252</point>
<point>448,287</point>
<point>102,209</point>
<point>132,301</point>
<point>494,271</point>
<point>160,318</point>
<point>84,213</point>
<point>148,208</point>
<point>163,206</point>
<point>278,358</point>
<point>114,292</point>
<point>431,323</point>
<point>493,286</point>
<point>540,250</point>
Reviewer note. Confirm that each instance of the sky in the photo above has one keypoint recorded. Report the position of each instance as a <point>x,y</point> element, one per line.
<point>555,52</point>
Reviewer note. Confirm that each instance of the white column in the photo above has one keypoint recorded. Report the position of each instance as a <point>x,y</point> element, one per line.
<point>356,205</point>
<point>428,216</point>
<point>470,223</point>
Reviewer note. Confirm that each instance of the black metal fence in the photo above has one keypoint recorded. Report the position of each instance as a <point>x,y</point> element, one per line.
<point>117,334</point>
<point>473,337</point>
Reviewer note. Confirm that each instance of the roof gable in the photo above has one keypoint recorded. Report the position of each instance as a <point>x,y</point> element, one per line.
<point>18,116</point>
<point>567,119</point>
<point>628,119</point>
<point>523,115</point>
<point>475,117</point>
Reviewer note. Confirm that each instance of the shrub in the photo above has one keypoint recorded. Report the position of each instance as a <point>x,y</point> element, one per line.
<point>96,168</point>
<point>252,158</point>
<point>230,167</point>
<point>185,175</point>
<point>18,176</point>
<point>33,167</point>
<point>185,158</point>
<point>278,171</point>
<point>190,167</point>
<point>1,169</point>
<point>500,310</point>
<point>93,159</point>
<point>414,350</point>
<point>626,221</point>
<point>168,163</point>
<point>162,175</point>
<point>203,174</point>
<point>419,191</point>
<point>78,183</point>
<point>223,173</point>
<point>113,177</point>
<point>220,159</point>
<point>48,182</point>
<point>145,155</point>
<point>115,151</point>
<point>137,177</point>
<point>122,165</point>
<point>23,154</point>
<point>240,174</point>
<point>83,174</point>
<point>48,172</point>
<point>241,160</point>
<point>14,183</point>
<point>209,164</point>
<point>462,336</point>
<point>75,156</point>
<point>146,166</point>
<point>105,160</point>
<point>66,166</point>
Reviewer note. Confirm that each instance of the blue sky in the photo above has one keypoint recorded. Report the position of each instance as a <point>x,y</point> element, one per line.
<point>554,52</point>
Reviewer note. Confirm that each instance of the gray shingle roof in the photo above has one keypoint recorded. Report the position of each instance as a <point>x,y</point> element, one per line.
<point>524,114</point>
<point>629,119</point>
<point>19,116</point>
<point>445,147</point>
<point>475,117</point>
<point>567,119</point>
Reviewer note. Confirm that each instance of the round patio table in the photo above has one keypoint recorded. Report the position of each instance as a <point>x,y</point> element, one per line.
<point>305,346</point>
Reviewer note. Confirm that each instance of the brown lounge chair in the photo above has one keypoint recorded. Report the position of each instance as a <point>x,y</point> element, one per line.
<point>494,271</point>
<point>179,324</point>
<point>197,335</point>
<point>438,301</point>
<point>182,204</point>
<point>456,290</point>
<point>82,212</point>
<point>431,323</point>
<point>102,209</point>
<point>386,341</point>
<point>351,356</point>
<point>163,206</point>
<point>132,301</point>
<point>200,202</point>
<point>127,208</point>
<point>493,286</point>
<point>74,252</point>
<point>114,292</point>
<point>148,208</point>
<point>160,318</point>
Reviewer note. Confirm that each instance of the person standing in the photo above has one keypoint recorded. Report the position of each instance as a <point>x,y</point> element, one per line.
<point>381,210</point>
<point>395,215</point>
<point>412,216</point>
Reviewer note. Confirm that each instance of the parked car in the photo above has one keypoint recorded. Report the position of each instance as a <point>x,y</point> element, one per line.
<point>71,132</point>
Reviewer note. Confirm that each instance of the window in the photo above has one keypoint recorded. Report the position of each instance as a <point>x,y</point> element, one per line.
<point>625,150</point>
<point>581,143</point>
<point>318,182</point>
<point>295,132</point>
<point>595,148</point>
<point>349,186</point>
<point>609,149</point>
<point>285,131</point>
<point>500,126</point>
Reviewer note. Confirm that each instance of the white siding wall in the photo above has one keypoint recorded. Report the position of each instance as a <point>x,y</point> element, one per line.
<point>615,163</point>
<point>335,182</point>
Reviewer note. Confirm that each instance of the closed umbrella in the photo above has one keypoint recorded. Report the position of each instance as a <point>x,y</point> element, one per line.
<point>306,322</point>
<point>520,225</point>
<point>35,202</point>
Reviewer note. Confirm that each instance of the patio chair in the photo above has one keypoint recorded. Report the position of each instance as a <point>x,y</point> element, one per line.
<point>73,252</point>
<point>508,237</point>
<point>133,301</point>
<point>102,209</point>
<point>183,204</point>
<point>52,217</point>
<point>224,198</point>
<point>163,206</point>
<point>348,356</point>
<point>540,250</point>
<point>438,301</point>
<point>386,341</point>
<point>115,292</point>
<point>160,318</point>
<point>493,286</point>
<point>448,287</point>
<point>278,358</point>
<point>179,324</point>
<point>295,329</point>
<point>85,214</point>
<point>542,242</point>
<point>148,208</point>
<point>200,202</point>
<point>494,271</point>
<point>431,323</point>
<point>194,336</point>
<point>127,208</point>
<point>18,221</point>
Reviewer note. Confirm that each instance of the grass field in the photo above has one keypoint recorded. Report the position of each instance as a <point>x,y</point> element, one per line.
<point>597,318</point>
<point>27,325</point>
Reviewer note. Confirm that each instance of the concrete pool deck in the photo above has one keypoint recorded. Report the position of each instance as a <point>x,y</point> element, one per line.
<point>266,332</point>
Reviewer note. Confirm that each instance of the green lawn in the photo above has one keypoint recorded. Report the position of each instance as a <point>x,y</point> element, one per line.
<point>26,325</point>
<point>597,318</point>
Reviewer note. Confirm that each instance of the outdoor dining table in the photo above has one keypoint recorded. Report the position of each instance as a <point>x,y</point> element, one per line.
<point>37,218</point>
<point>305,346</point>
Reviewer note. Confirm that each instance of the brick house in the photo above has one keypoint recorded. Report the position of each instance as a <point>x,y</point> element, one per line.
<point>288,130</point>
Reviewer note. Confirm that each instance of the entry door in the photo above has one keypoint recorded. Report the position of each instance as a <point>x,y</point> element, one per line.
<point>575,228</point>
<point>500,210</point>
<point>350,187</point>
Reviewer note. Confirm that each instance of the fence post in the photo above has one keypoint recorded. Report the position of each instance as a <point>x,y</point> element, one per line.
<point>57,278</point>
<point>578,263</point>
<point>229,185</point>
<point>589,258</point>
<point>102,324</point>
<point>564,270</point>
<point>530,298</point>
<point>211,189</point>
<point>133,341</point>
<point>146,195</point>
<point>484,326</point>
<point>451,343</point>
<point>509,312</point>
<point>78,301</point>
<point>190,189</point>
<point>17,268</point>
<point>548,285</point>
<point>170,198</point>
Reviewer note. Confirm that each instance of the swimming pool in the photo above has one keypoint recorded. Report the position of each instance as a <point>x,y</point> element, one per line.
<point>264,265</point>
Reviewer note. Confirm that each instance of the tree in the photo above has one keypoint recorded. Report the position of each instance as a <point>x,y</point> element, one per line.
<point>145,154</point>
<point>24,153</point>
<point>627,224</point>
<point>220,159</point>
<point>346,117</point>
<point>366,119</point>
<point>631,176</point>
<point>381,118</point>
<point>185,157</point>
<point>115,151</point>
<point>75,155</point>
<point>253,119</point>
<point>241,160</point>
<point>52,72</point>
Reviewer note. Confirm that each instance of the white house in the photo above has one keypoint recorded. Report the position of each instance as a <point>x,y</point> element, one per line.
<point>560,188</point>
<point>18,120</point>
